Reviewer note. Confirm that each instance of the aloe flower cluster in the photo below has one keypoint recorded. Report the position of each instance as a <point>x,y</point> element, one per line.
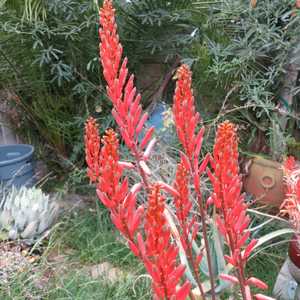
<point>187,122</point>
<point>92,149</point>
<point>186,117</point>
<point>291,205</point>
<point>107,173</point>
<point>159,254</point>
<point>189,227</point>
<point>232,219</point>
<point>147,227</point>
<point>127,110</point>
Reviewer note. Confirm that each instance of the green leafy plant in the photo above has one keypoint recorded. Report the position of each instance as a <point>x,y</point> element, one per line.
<point>259,55</point>
<point>51,74</point>
<point>144,21</point>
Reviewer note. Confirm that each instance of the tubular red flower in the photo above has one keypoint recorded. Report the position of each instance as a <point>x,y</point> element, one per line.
<point>185,115</point>
<point>160,253</point>
<point>291,205</point>
<point>262,297</point>
<point>232,218</point>
<point>289,165</point>
<point>186,123</point>
<point>110,170</point>
<point>127,109</point>
<point>157,250</point>
<point>227,187</point>
<point>104,168</point>
<point>113,191</point>
<point>92,148</point>
<point>187,224</point>
<point>226,150</point>
<point>182,202</point>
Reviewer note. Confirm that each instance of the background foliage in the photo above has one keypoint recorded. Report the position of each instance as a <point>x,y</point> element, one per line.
<point>240,53</point>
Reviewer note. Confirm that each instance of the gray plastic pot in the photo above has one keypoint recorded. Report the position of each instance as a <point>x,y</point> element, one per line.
<point>17,165</point>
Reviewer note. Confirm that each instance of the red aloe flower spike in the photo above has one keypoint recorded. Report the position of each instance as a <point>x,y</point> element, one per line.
<point>106,169</point>
<point>291,205</point>
<point>110,170</point>
<point>127,109</point>
<point>183,207</point>
<point>289,165</point>
<point>185,115</point>
<point>159,253</point>
<point>232,219</point>
<point>186,122</point>
<point>92,148</point>
<point>118,198</point>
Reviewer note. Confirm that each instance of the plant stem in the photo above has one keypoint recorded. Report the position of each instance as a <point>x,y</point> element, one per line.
<point>198,280</point>
<point>189,249</point>
<point>241,278</point>
<point>240,271</point>
<point>136,153</point>
<point>206,243</point>
<point>243,286</point>
<point>204,232</point>
<point>195,268</point>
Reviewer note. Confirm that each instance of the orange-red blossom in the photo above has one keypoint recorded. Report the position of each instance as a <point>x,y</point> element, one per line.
<point>291,205</point>
<point>232,218</point>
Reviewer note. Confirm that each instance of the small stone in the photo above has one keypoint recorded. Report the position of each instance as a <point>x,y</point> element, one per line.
<point>72,201</point>
<point>33,259</point>
<point>105,270</point>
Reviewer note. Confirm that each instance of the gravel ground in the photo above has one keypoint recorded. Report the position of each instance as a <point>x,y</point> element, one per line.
<point>13,260</point>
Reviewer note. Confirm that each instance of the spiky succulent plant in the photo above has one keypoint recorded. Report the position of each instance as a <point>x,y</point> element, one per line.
<point>26,214</point>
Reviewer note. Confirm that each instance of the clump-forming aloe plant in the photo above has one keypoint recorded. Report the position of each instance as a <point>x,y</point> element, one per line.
<point>167,240</point>
<point>26,214</point>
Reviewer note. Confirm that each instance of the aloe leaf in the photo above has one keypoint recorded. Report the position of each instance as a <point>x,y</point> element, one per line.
<point>13,233</point>
<point>30,230</point>
<point>218,262</point>
<point>48,217</point>
<point>270,218</point>
<point>223,284</point>
<point>272,235</point>
<point>176,236</point>
<point>3,235</point>
<point>222,268</point>
<point>217,253</point>
<point>20,220</point>
<point>5,219</point>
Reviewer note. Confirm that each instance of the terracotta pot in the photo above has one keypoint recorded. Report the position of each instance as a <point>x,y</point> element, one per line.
<point>265,182</point>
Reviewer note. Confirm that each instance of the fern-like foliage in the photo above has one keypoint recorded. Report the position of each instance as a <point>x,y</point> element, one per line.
<point>159,27</point>
<point>256,49</point>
